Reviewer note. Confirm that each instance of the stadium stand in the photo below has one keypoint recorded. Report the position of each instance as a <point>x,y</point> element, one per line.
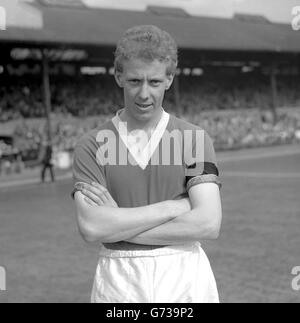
<point>230,97</point>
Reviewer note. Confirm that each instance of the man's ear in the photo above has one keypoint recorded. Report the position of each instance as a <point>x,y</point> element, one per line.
<point>119,78</point>
<point>170,79</point>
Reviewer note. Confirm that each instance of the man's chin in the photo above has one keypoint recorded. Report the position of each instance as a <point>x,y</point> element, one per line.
<point>144,114</point>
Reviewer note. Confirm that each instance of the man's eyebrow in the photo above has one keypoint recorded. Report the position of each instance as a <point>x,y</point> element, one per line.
<point>133,77</point>
<point>156,78</point>
<point>151,78</point>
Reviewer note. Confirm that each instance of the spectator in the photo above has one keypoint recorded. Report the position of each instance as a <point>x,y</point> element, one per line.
<point>46,154</point>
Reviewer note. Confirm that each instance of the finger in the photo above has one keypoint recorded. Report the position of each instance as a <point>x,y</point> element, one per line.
<point>98,186</point>
<point>92,197</point>
<point>104,192</point>
<point>90,202</point>
<point>110,198</point>
<point>103,189</point>
<point>89,188</point>
<point>106,195</point>
<point>97,190</point>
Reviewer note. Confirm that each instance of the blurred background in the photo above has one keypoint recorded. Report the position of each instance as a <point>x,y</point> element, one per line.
<point>238,78</point>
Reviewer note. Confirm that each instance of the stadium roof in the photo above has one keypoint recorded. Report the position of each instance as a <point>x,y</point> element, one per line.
<point>80,25</point>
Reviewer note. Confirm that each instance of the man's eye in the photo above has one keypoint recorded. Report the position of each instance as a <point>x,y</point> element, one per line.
<point>155,82</point>
<point>134,82</point>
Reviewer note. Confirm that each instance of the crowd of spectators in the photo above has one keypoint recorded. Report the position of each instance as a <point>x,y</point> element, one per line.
<point>236,114</point>
<point>249,128</point>
<point>81,98</point>
<point>20,100</point>
<point>93,96</point>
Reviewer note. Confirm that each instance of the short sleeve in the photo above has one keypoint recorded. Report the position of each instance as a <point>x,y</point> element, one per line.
<point>85,166</point>
<point>200,161</point>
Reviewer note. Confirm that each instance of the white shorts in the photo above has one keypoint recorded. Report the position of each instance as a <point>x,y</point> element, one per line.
<point>177,274</point>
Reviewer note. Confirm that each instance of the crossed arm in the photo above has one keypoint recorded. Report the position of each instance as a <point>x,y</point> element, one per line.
<point>203,221</point>
<point>165,223</point>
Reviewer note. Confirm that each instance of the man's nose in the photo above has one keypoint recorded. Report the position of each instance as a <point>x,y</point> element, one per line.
<point>144,92</point>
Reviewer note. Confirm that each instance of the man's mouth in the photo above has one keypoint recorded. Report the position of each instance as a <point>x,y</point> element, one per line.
<point>144,106</point>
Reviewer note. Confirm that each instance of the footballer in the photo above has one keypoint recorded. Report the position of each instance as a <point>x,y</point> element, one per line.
<point>147,187</point>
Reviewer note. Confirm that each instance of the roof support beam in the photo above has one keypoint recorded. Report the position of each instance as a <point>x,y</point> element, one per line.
<point>274,92</point>
<point>46,92</point>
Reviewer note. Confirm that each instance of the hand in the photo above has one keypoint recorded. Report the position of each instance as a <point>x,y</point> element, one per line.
<point>96,194</point>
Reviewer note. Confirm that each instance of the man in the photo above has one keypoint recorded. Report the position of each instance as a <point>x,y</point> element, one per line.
<point>45,158</point>
<point>141,192</point>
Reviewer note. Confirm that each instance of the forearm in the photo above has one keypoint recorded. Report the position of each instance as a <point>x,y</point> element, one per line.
<point>109,224</point>
<point>186,228</point>
<point>172,209</point>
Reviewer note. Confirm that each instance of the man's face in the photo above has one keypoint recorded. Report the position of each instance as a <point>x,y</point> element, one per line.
<point>144,85</point>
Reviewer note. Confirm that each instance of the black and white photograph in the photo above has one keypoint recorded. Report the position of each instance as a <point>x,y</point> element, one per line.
<point>150,154</point>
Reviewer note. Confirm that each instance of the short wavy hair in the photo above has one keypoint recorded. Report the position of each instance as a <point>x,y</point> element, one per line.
<point>149,43</point>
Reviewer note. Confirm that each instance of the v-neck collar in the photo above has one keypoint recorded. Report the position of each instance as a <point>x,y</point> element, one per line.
<point>141,155</point>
